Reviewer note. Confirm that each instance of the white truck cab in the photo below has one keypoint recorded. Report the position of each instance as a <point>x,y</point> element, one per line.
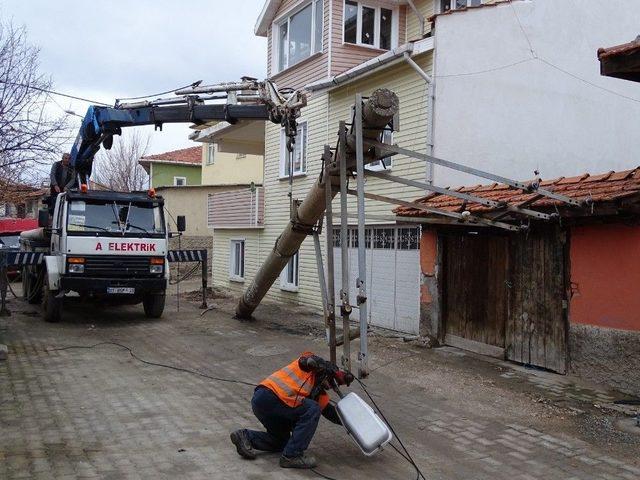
<point>102,245</point>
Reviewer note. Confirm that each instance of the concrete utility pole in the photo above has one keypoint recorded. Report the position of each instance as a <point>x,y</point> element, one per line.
<point>377,111</point>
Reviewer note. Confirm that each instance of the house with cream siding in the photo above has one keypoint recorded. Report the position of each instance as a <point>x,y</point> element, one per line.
<point>333,49</point>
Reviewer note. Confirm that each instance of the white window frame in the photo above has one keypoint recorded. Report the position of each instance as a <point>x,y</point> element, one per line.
<point>284,280</point>
<point>233,276</point>
<point>395,24</point>
<point>211,154</point>
<point>454,6</point>
<point>286,18</point>
<point>302,137</point>
<point>377,166</point>
<point>176,179</point>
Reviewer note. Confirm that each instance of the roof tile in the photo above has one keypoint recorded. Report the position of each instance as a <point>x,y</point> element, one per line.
<point>604,187</point>
<point>185,155</point>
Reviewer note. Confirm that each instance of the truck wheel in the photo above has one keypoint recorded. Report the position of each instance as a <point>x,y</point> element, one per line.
<point>153,304</point>
<point>51,304</point>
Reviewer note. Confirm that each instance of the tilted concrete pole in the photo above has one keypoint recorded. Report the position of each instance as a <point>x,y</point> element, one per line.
<point>378,110</point>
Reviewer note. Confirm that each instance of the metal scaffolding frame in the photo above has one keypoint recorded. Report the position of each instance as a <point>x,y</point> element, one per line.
<point>354,140</point>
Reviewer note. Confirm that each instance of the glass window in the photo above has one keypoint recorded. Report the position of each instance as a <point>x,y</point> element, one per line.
<point>384,238</point>
<point>211,153</point>
<point>318,20</point>
<point>368,26</point>
<point>350,21</point>
<point>385,163</point>
<point>115,218</point>
<point>300,35</point>
<point>461,3</point>
<point>365,25</point>
<point>385,28</point>
<point>298,163</point>
<point>289,279</point>
<point>236,256</point>
<point>408,239</point>
<point>283,51</point>
<point>179,181</point>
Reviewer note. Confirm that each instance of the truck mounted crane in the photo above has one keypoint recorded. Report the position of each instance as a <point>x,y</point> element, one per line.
<point>115,245</point>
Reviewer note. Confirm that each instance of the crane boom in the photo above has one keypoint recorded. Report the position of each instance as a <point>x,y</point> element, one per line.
<point>246,100</point>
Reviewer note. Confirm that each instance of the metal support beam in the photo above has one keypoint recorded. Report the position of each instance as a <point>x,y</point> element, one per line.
<point>331,292</point>
<point>361,283</point>
<point>384,150</point>
<point>321,279</point>
<point>467,219</point>
<point>465,196</point>
<point>345,308</point>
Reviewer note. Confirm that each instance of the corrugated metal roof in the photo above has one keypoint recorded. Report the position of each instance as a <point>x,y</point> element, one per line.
<point>601,188</point>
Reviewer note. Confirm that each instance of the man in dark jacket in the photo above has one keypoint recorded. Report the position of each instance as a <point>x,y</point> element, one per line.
<point>63,178</point>
<point>289,403</point>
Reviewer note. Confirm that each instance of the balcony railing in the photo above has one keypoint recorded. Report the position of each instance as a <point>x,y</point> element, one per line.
<point>236,209</point>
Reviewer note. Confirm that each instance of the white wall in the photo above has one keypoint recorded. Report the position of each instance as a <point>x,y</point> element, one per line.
<point>530,116</point>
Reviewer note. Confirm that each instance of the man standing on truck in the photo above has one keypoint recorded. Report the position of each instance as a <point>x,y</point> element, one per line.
<point>63,177</point>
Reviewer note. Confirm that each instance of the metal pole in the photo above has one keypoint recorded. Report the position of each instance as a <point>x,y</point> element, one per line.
<point>4,311</point>
<point>321,279</point>
<point>345,308</point>
<point>331,292</point>
<point>363,369</point>
<point>205,268</point>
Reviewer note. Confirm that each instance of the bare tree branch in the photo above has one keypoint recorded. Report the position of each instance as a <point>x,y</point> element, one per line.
<point>28,135</point>
<point>118,168</point>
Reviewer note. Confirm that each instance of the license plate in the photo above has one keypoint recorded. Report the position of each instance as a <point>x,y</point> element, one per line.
<point>121,290</point>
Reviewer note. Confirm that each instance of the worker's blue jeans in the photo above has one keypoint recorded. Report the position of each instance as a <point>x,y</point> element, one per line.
<point>289,430</point>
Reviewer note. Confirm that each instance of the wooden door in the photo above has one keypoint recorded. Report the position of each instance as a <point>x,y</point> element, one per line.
<point>475,291</point>
<point>536,330</point>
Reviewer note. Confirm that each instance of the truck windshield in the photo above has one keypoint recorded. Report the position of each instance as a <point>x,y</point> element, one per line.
<point>117,218</point>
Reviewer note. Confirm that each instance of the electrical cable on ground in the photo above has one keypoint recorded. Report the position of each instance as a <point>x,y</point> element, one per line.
<point>406,455</point>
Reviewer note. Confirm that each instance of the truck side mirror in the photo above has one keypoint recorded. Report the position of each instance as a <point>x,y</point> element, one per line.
<point>43,218</point>
<point>181,223</point>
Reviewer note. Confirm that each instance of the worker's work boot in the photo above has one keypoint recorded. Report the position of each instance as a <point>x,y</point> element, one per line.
<point>243,445</point>
<point>303,461</point>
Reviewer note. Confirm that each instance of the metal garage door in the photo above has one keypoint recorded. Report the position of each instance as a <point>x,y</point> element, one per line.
<point>393,275</point>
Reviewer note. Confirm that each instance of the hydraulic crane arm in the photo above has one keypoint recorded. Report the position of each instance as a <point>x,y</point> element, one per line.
<point>246,100</point>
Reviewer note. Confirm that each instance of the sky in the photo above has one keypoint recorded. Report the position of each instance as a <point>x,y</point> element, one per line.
<point>103,50</point>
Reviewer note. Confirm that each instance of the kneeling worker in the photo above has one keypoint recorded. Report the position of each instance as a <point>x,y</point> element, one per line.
<point>289,403</point>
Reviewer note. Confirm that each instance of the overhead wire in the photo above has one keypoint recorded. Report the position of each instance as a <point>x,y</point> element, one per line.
<point>192,84</point>
<point>54,92</point>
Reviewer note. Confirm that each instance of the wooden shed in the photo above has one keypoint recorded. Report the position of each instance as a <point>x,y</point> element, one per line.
<point>519,296</point>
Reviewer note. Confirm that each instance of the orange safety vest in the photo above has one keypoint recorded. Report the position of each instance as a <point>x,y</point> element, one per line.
<point>292,384</point>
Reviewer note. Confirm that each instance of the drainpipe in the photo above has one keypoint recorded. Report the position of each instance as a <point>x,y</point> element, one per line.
<point>430,104</point>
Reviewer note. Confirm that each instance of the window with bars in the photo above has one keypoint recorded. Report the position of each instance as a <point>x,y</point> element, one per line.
<point>385,238</point>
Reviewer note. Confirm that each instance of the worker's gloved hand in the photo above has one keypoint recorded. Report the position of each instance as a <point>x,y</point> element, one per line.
<point>343,378</point>
<point>317,364</point>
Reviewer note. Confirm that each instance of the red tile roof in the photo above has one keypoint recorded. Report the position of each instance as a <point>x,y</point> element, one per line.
<point>597,189</point>
<point>432,18</point>
<point>186,155</point>
<point>624,49</point>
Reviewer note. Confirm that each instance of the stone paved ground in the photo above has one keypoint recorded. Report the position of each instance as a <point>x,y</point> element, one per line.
<point>99,413</point>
